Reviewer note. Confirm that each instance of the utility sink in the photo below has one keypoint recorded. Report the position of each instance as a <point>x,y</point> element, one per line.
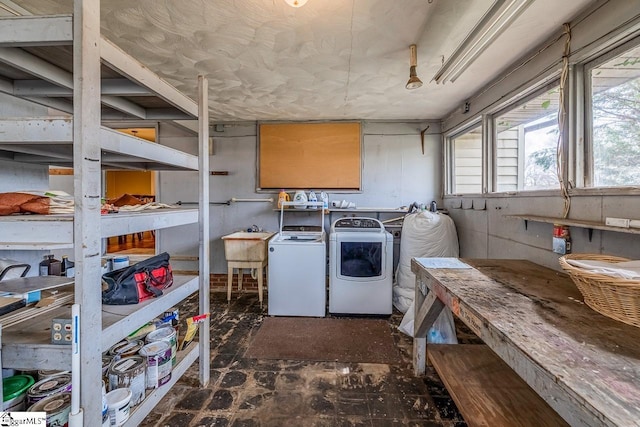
<point>246,246</point>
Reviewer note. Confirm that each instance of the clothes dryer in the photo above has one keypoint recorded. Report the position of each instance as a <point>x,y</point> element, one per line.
<point>360,267</point>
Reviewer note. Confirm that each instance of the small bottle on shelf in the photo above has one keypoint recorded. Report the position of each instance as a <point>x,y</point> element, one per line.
<point>50,266</point>
<point>68,267</point>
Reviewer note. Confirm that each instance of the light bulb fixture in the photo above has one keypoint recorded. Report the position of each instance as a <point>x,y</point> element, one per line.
<point>296,3</point>
<point>414,82</point>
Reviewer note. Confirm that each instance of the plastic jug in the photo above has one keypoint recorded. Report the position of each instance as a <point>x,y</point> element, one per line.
<point>313,198</point>
<point>283,197</point>
<point>300,198</point>
<point>325,200</point>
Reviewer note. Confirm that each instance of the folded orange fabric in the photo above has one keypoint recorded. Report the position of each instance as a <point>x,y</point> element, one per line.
<point>11,203</point>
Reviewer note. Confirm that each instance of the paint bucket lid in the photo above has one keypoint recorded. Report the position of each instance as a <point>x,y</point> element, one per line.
<point>16,385</point>
<point>161,334</point>
<point>127,364</point>
<point>52,404</point>
<point>126,348</point>
<point>118,397</point>
<point>46,373</point>
<point>50,385</point>
<point>154,348</point>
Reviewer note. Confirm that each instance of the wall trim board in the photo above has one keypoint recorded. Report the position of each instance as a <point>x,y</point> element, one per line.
<point>306,155</point>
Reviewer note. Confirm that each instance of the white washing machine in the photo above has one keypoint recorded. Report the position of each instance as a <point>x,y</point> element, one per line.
<point>297,273</point>
<point>360,267</point>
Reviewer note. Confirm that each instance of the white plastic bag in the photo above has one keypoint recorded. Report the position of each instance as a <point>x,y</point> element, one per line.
<point>424,234</point>
<point>443,330</point>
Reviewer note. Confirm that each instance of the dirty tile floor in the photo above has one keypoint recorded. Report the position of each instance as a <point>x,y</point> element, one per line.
<point>265,393</point>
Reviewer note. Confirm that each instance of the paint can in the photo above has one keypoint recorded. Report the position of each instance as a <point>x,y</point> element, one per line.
<point>129,372</point>
<point>57,408</point>
<point>120,262</point>
<point>14,392</point>
<point>126,348</point>
<point>49,387</point>
<point>48,373</point>
<point>168,334</point>
<point>158,356</point>
<point>105,407</point>
<point>106,362</point>
<point>118,401</point>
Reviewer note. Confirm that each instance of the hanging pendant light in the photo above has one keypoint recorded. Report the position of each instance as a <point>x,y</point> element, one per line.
<point>296,3</point>
<point>414,82</point>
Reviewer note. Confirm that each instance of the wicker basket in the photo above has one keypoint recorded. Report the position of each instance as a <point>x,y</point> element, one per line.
<point>611,296</point>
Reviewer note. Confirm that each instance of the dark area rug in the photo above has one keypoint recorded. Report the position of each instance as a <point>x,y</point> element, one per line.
<point>324,339</point>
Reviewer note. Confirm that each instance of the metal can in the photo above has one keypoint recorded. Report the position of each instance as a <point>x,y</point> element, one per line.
<point>57,408</point>
<point>129,372</point>
<point>49,387</point>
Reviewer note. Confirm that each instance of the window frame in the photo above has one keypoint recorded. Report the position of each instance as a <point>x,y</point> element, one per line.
<point>587,161</point>
<point>533,92</point>
<point>449,153</point>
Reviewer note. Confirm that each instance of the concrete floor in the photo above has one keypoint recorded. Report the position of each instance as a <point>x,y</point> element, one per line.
<point>253,392</point>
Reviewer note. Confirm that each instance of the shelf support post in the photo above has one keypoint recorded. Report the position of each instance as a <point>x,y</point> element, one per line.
<point>87,191</point>
<point>203,223</point>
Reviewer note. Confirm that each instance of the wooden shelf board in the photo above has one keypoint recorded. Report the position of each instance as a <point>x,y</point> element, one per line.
<point>575,223</point>
<point>34,246</point>
<point>486,391</point>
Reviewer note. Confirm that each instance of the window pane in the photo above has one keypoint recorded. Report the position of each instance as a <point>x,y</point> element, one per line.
<point>467,162</point>
<point>616,120</point>
<point>526,145</point>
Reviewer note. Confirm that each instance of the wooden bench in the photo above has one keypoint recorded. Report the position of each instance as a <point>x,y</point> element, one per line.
<point>486,391</point>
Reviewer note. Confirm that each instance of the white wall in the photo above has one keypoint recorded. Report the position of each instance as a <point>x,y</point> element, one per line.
<point>394,173</point>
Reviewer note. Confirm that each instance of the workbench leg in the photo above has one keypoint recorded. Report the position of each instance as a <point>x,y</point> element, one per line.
<point>427,308</point>
<point>239,279</point>
<point>260,281</point>
<point>229,282</point>
<point>419,356</point>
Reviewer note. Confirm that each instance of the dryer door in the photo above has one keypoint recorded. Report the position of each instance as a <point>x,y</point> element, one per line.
<point>360,256</point>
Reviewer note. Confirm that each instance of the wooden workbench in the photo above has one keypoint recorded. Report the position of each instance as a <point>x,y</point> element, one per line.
<point>583,364</point>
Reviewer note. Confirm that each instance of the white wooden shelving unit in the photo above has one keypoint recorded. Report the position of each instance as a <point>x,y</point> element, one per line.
<point>62,62</point>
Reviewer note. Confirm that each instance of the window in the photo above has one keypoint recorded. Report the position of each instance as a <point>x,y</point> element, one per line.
<point>526,144</point>
<point>467,161</point>
<point>615,119</point>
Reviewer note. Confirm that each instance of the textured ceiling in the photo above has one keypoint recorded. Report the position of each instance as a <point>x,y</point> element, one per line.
<point>330,59</point>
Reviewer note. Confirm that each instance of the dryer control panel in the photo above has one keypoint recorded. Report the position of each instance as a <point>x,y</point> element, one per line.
<point>357,224</point>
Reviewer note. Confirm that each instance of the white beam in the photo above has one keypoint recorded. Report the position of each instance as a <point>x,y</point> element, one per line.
<point>56,104</point>
<point>124,106</point>
<point>13,8</point>
<point>115,58</point>
<point>118,142</point>
<point>6,86</point>
<point>33,65</point>
<point>123,87</point>
<point>36,30</point>
<point>30,131</point>
<point>114,87</point>
<point>40,88</point>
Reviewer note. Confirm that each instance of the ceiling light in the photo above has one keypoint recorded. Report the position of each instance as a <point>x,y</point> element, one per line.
<point>497,19</point>
<point>296,3</point>
<point>414,82</point>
